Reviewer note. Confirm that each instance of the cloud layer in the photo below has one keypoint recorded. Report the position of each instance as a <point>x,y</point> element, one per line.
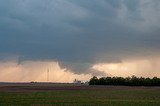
<point>79,33</point>
<point>37,71</point>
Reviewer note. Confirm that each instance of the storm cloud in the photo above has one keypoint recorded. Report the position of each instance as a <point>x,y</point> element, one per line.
<point>79,33</point>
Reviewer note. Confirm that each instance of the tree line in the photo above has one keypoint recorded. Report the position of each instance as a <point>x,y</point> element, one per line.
<point>128,81</point>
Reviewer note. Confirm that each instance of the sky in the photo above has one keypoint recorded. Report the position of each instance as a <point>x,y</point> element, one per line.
<point>78,39</point>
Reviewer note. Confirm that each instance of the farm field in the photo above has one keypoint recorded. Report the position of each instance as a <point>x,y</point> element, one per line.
<point>48,94</point>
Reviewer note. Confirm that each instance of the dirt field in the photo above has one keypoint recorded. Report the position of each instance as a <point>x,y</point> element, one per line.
<point>41,87</point>
<point>51,94</point>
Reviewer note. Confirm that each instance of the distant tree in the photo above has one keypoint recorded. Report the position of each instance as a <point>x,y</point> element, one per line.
<point>102,81</point>
<point>93,81</point>
<point>108,81</point>
<point>129,81</point>
<point>156,81</point>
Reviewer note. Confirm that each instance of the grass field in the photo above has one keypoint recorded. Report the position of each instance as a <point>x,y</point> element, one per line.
<point>54,95</point>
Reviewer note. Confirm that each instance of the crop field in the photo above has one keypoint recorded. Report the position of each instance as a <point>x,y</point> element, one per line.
<point>77,95</point>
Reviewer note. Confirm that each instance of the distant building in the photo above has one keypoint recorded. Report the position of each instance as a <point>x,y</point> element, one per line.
<point>77,82</point>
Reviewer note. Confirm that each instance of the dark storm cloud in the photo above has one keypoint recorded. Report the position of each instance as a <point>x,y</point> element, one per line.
<point>79,33</point>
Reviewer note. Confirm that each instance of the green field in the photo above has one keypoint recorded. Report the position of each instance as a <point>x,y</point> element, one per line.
<point>106,96</point>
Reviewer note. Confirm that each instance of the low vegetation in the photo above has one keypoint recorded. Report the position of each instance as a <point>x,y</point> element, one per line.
<point>81,96</point>
<point>129,81</point>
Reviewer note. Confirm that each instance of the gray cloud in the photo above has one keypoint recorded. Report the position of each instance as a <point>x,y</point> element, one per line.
<point>79,33</point>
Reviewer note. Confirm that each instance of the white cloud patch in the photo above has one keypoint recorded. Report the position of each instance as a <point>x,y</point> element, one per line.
<point>27,71</point>
<point>140,67</point>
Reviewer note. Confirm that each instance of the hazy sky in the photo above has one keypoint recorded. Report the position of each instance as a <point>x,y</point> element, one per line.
<point>78,39</point>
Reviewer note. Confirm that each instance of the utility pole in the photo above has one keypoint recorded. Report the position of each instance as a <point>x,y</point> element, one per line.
<point>47,75</point>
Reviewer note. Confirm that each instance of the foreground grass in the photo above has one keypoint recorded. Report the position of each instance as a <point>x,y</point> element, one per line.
<point>105,97</point>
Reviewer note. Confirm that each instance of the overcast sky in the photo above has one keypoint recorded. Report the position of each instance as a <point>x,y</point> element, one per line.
<point>79,33</point>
